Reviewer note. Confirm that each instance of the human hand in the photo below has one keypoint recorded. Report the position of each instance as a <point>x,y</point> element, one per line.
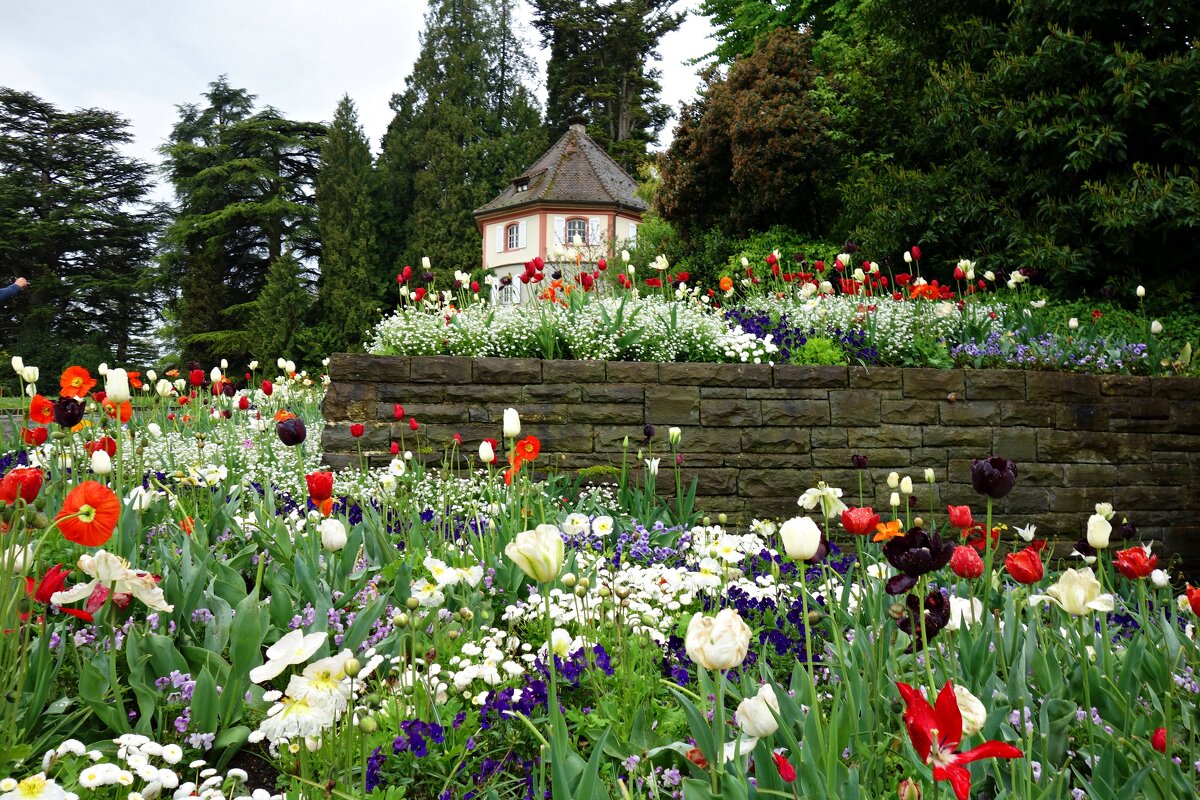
<point>21,282</point>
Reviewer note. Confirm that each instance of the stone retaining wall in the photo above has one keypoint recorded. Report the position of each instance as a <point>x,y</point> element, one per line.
<point>755,436</point>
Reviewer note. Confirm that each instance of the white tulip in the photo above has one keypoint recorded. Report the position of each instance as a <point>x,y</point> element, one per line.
<point>1156,327</point>
<point>101,462</point>
<point>625,256</point>
<point>18,364</point>
<point>333,534</point>
<point>1077,593</point>
<point>1073,323</point>
<point>801,538</point>
<point>974,715</point>
<point>906,485</point>
<point>893,480</point>
<point>164,388</point>
<point>424,262</point>
<point>929,476</point>
<point>31,374</point>
<point>116,385</point>
<point>155,429</point>
<point>754,713</point>
<point>907,257</point>
<point>1098,531</point>
<point>31,389</point>
<point>652,465</point>
<point>674,435</point>
<point>151,376</point>
<point>1105,510</point>
<point>487,453</point>
<point>512,423</point>
<point>280,363</point>
<point>1160,579</point>
<point>289,366</point>
<point>224,364</point>
<point>539,552</point>
<point>253,365</point>
<point>894,501</point>
<point>1141,291</point>
<point>989,275</point>
<point>102,369</point>
<point>717,643</point>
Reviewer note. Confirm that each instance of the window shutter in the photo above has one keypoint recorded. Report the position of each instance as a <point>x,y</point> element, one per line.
<point>521,234</point>
<point>595,232</point>
<point>500,237</point>
<point>560,230</point>
<point>633,226</point>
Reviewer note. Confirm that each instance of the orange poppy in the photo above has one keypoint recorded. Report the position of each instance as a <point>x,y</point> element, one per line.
<point>726,283</point>
<point>89,513</point>
<point>887,530</point>
<point>528,448</point>
<point>76,382</point>
<point>135,379</point>
<point>284,415</point>
<point>125,410</point>
<point>41,410</point>
<point>187,525</point>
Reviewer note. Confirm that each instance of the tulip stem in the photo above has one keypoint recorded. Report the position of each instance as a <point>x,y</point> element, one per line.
<point>1087,686</point>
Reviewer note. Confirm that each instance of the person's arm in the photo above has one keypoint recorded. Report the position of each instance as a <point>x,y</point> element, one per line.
<point>9,291</point>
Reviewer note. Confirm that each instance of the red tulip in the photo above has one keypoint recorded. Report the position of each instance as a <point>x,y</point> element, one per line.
<point>320,486</point>
<point>268,388</point>
<point>771,259</point>
<point>51,582</point>
<point>960,516</point>
<point>23,482</point>
<point>1025,566</point>
<point>602,265</point>
<point>475,287</point>
<point>936,731</point>
<point>1193,598</point>
<point>787,773</point>
<point>397,412</point>
<point>916,252</point>
<point>966,563</point>
<point>1159,740</point>
<point>1135,562</point>
<point>243,403</point>
<point>395,448</point>
<point>412,424</point>
<point>457,438</point>
<point>196,377</point>
<point>959,274</point>
<point>357,429</point>
<point>860,521</point>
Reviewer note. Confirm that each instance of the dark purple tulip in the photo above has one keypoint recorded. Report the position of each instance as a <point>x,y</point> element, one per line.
<point>993,477</point>
<point>916,553</point>
<point>937,614</point>
<point>648,432</point>
<point>68,411</point>
<point>291,431</point>
<point>858,462</point>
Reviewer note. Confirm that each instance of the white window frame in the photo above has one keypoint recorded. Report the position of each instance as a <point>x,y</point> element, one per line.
<point>582,233</point>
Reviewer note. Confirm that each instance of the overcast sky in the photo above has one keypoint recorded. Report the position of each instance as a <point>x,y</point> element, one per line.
<point>142,59</point>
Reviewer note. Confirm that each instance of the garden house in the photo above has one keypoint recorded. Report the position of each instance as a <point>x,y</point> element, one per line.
<point>572,207</point>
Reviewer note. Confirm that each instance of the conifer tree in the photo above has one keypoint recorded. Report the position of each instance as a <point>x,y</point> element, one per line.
<point>76,222</point>
<point>347,293</point>
<point>463,126</point>
<point>600,68</point>
<point>277,313</point>
<point>244,183</point>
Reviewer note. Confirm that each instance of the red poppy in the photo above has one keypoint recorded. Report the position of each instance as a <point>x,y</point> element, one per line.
<point>320,485</point>
<point>357,429</point>
<point>412,424</point>
<point>76,382</point>
<point>105,443</point>
<point>654,283</point>
<point>936,731</point>
<point>960,516</point>
<point>122,412</point>
<point>966,563</point>
<point>23,482</point>
<point>1159,740</point>
<point>34,437</point>
<point>1135,562</point>
<point>1025,566</point>
<point>268,388</point>
<point>528,448</point>
<point>89,513</point>
<point>787,773</point>
<point>457,438</point>
<point>41,410</point>
<point>860,521</point>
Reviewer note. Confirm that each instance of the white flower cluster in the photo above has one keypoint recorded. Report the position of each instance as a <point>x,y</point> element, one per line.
<point>142,768</point>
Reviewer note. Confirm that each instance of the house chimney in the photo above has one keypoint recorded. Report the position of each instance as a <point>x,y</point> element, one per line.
<point>577,125</point>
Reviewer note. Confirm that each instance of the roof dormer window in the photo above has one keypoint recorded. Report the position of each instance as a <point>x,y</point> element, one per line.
<point>522,186</point>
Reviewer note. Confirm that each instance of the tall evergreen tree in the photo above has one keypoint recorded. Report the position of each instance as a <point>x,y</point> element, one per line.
<point>459,133</point>
<point>275,317</point>
<point>244,182</point>
<point>347,293</point>
<point>600,68</point>
<point>75,221</point>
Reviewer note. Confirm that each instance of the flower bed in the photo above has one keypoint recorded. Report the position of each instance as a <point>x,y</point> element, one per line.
<point>460,632</point>
<point>814,316</point>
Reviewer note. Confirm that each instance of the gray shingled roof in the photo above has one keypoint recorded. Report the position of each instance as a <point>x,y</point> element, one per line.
<point>574,170</point>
